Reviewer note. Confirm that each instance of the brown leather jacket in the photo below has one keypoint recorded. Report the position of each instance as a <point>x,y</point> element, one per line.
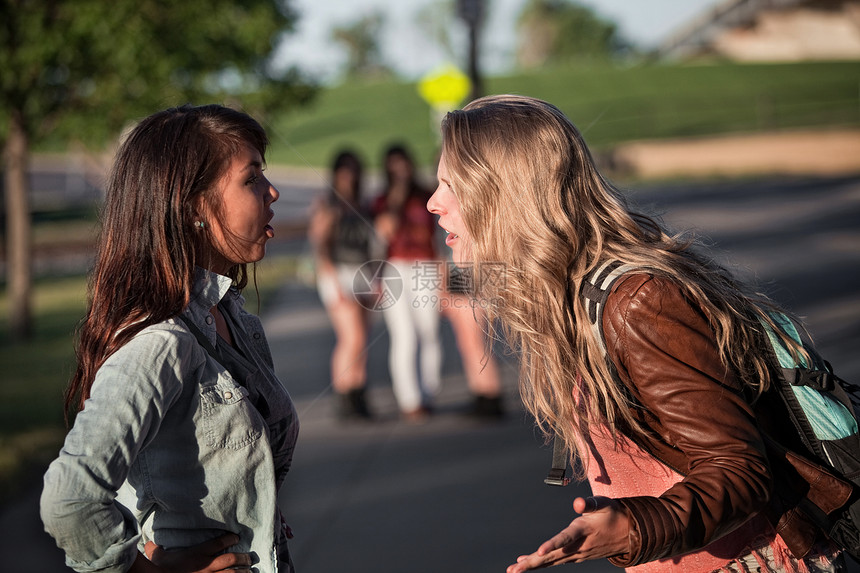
<point>703,427</point>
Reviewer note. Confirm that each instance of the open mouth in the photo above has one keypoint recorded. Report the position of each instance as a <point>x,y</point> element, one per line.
<point>269,230</point>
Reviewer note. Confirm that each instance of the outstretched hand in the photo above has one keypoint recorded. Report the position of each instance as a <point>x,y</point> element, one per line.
<point>206,557</point>
<point>601,531</point>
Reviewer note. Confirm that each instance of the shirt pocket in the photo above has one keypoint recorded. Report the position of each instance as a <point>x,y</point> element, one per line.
<point>229,419</point>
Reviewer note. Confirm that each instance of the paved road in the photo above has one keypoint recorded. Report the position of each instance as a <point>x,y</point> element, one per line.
<point>456,495</point>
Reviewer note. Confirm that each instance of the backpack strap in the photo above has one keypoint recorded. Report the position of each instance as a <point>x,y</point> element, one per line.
<point>595,289</point>
<point>558,472</point>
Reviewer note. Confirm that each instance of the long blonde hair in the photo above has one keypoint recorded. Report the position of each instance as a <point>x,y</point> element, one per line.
<point>535,204</point>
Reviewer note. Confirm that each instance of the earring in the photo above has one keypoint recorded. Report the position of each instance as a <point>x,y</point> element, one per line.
<point>199,224</point>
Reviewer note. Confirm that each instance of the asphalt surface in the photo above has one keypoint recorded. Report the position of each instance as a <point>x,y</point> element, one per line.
<point>456,494</point>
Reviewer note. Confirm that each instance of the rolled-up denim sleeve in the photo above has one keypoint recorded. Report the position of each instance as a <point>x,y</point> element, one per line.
<point>130,396</point>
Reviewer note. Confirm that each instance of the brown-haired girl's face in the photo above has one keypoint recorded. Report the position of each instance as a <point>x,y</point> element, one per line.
<point>345,181</point>
<point>444,203</point>
<point>399,167</point>
<point>241,230</point>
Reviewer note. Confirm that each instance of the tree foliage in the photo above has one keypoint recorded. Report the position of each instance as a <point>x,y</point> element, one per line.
<point>562,32</point>
<point>83,69</point>
<point>96,64</point>
<point>437,20</point>
<point>360,39</point>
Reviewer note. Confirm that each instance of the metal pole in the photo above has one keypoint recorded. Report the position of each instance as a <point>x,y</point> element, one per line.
<point>472,12</point>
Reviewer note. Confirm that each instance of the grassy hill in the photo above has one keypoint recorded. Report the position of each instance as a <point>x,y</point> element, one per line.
<point>609,104</point>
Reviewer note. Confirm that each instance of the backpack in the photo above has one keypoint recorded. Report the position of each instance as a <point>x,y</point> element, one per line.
<point>823,408</point>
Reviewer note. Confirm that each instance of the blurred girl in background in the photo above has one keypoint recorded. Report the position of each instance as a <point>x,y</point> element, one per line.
<point>403,222</point>
<point>340,233</point>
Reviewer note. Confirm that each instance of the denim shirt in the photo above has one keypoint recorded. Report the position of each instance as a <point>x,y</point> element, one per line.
<point>169,448</point>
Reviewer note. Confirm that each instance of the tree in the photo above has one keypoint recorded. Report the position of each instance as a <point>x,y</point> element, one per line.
<point>83,69</point>
<point>561,32</point>
<point>361,41</point>
<point>436,19</point>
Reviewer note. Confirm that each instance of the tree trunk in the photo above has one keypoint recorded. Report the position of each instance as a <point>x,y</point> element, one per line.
<point>18,228</point>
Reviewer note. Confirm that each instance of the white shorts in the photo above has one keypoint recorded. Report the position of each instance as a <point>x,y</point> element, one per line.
<point>339,284</point>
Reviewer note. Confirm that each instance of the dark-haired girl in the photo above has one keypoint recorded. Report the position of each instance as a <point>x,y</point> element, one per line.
<point>182,433</point>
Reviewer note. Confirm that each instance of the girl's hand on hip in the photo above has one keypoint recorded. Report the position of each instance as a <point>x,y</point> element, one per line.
<point>601,531</point>
<point>206,557</point>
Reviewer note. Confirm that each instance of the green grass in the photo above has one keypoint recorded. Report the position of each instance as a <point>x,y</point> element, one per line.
<point>35,372</point>
<point>34,375</point>
<point>609,104</point>
<point>363,116</point>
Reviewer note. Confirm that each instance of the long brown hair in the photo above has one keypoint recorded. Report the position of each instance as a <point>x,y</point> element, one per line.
<point>534,202</point>
<point>148,248</point>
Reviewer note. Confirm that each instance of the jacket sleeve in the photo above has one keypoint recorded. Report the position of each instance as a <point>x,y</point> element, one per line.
<point>132,392</point>
<point>666,352</point>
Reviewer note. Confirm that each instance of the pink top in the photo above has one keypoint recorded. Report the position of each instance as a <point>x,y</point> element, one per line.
<point>628,471</point>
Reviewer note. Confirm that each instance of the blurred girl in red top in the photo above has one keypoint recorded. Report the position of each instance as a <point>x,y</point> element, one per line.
<point>412,318</point>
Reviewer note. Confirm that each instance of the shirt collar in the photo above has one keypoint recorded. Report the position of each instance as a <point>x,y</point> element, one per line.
<point>209,288</point>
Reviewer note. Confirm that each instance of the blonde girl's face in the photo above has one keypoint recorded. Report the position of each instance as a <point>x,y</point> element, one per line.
<point>240,232</point>
<point>446,205</point>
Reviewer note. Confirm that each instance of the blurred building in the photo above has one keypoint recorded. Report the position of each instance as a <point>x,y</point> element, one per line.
<point>771,31</point>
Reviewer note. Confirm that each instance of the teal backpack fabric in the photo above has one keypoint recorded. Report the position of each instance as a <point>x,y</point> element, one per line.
<point>829,418</point>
